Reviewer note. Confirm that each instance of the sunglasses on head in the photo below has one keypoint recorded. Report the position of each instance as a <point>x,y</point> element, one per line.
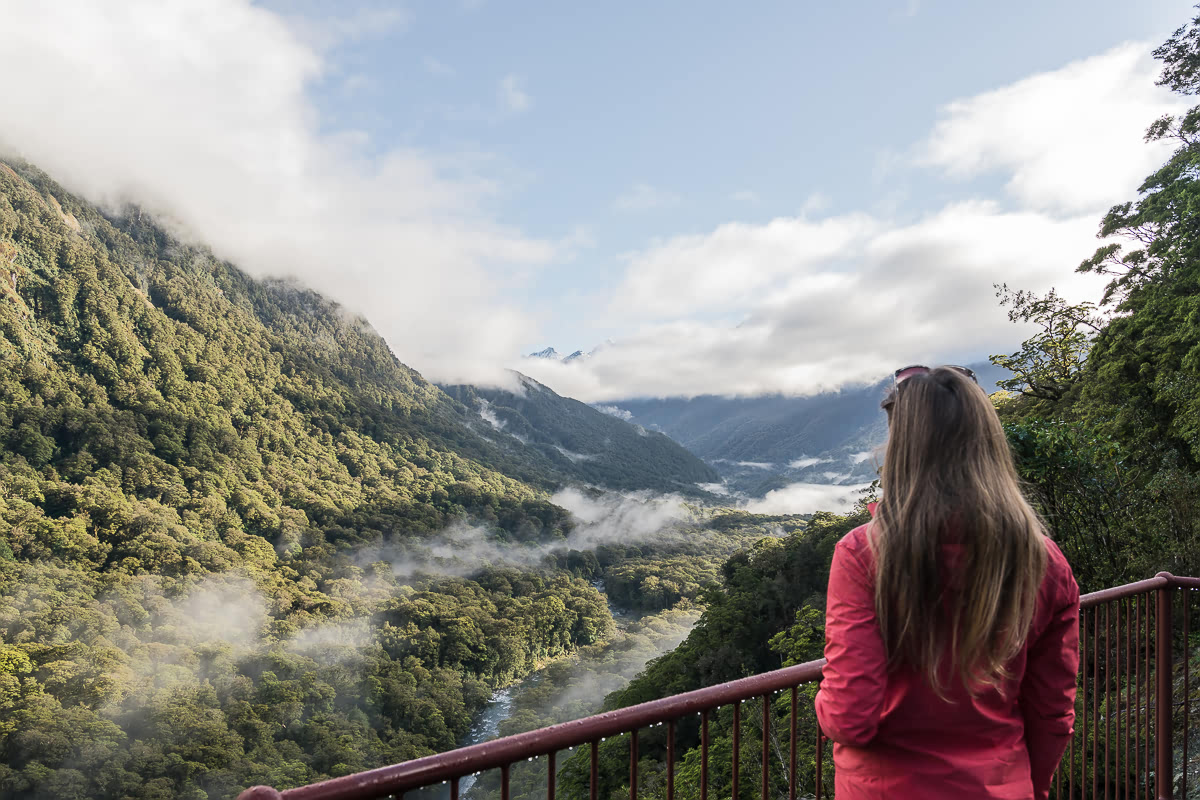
<point>904,373</point>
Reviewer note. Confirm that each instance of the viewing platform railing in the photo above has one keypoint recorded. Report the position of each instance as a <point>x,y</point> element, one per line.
<point>1129,729</point>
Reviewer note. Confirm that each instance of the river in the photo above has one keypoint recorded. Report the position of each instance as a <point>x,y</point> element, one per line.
<point>500,707</point>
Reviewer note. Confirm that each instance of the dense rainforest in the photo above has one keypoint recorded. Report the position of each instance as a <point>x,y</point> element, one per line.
<point>241,543</point>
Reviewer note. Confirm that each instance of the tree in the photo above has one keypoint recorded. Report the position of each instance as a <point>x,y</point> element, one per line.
<point>1049,361</point>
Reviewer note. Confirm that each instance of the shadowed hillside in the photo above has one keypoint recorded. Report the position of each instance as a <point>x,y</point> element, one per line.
<point>581,441</point>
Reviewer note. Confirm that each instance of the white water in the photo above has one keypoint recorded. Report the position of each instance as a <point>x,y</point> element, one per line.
<point>487,726</point>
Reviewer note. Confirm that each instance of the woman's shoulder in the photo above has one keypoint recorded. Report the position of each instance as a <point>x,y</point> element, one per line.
<point>1056,561</point>
<point>857,541</point>
<point>1059,575</point>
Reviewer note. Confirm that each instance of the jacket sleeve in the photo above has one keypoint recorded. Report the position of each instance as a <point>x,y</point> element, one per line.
<point>1048,689</point>
<point>855,679</point>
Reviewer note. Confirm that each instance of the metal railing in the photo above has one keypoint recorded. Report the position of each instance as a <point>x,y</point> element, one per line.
<point>1127,728</point>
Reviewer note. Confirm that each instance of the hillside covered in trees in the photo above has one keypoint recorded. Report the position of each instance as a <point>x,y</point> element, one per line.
<point>241,543</point>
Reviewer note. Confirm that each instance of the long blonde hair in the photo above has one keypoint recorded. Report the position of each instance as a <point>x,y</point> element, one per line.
<point>948,471</point>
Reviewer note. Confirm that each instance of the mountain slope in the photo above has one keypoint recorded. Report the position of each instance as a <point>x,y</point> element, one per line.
<point>579,440</point>
<point>213,491</point>
<point>760,443</point>
<point>129,352</point>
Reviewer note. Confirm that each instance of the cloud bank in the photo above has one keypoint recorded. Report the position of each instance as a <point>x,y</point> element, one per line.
<point>463,549</point>
<point>1056,134</point>
<point>807,498</point>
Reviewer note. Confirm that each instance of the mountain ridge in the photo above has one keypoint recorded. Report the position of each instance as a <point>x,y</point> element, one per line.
<point>594,446</point>
<point>762,443</point>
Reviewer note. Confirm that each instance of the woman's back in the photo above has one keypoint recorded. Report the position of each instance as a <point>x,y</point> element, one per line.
<point>896,738</point>
<point>951,629</point>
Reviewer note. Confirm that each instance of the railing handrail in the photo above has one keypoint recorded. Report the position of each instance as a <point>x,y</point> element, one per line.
<point>433,769</point>
<point>1159,581</point>
<point>498,752</point>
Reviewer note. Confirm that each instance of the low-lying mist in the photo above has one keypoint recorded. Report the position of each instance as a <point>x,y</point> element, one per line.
<point>636,518</point>
<point>808,498</point>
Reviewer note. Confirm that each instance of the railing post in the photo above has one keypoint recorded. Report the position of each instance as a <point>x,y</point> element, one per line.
<point>1164,769</point>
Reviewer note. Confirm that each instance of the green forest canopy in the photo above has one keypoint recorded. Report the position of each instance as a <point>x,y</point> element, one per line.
<point>198,474</point>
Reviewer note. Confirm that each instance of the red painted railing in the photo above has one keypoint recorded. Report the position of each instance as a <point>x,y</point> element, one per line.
<point>1128,726</point>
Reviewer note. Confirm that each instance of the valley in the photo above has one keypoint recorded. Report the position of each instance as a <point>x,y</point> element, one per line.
<point>281,500</point>
<point>240,542</point>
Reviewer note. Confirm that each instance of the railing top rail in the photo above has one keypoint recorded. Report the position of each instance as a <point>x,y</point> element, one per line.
<point>399,778</point>
<point>1159,581</point>
<point>489,755</point>
<point>1182,582</point>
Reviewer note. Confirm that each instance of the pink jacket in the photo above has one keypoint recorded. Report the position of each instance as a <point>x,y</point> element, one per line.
<point>894,738</point>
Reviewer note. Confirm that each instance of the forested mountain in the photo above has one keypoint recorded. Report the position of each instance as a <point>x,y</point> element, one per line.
<point>761,443</point>
<point>239,541</point>
<point>582,442</point>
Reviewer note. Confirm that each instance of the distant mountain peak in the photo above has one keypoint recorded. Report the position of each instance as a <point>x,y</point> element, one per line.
<point>553,355</point>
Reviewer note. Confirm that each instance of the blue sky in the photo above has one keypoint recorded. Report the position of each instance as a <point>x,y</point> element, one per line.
<point>721,111</point>
<point>485,178</point>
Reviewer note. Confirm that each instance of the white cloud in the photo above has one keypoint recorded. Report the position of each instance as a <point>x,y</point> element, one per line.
<point>231,146</point>
<point>573,456</point>
<point>846,311</point>
<point>512,96</point>
<point>610,517</point>
<point>489,416</point>
<point>730,268</point>
<point>328,31</point>
<point>807,498</point>
<point>858,458</point>
<point>814,203</point>
<point>755,464</point>
<point>1056,133</point>
<point>644,197</point>
<point>615,411</point>
<point>807,461</point>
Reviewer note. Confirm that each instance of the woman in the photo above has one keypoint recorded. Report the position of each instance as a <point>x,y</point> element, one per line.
<point>952,620</point>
